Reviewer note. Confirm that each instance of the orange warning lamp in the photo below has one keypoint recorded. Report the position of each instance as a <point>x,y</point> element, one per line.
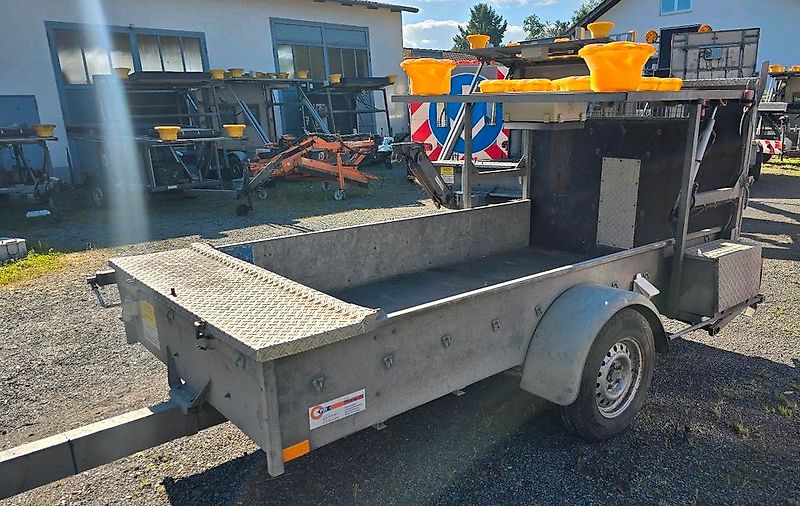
<point>705,28</point>
<point>651,36</point>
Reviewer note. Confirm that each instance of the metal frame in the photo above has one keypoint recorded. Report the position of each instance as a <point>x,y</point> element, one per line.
<point>361,95</point>
<point>778,114</point>
<point>210,120</point>
<point>42,184</point>
<point>693,154</point>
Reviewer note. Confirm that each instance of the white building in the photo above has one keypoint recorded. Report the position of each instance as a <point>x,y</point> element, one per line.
<point>48,61</point>
<point>775,18</point>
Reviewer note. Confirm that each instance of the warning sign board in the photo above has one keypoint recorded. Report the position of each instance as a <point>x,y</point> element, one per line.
<point>341,407</point>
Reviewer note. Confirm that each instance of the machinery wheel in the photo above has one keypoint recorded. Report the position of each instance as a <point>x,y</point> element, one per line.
<point>339,195</point>
<point>615,380</point>
<point>235,168</point>
<point>242,210</point>
<point>326,185</point>
<point>97,193</point>
<point>262,193</point>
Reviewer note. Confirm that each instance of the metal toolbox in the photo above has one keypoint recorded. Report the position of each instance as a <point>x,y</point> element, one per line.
<point>719,275</point>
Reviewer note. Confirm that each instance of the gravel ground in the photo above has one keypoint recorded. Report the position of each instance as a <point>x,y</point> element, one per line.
<point>721,426</point>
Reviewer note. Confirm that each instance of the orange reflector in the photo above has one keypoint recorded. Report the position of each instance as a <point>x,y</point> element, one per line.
<point>297,450</point>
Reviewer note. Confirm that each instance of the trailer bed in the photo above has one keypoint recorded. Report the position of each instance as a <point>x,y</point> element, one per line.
<point>420,287</point>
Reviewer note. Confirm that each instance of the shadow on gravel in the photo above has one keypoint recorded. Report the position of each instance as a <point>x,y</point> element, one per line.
<point>208,216</point>
<point>776,186</point>
<point>711,432</point>
<point>759,230</point>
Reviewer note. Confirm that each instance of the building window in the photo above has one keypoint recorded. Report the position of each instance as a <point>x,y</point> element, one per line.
<point>675,6</point>
<point>84,53</point>
<point>345,61</point>
<point>170,53</point>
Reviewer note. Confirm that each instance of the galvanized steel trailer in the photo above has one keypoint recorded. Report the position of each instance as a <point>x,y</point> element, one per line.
<point>299,346</point>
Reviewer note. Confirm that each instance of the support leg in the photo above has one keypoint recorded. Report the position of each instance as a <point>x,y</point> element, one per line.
<point>466,172</point>
<point>273,442</point>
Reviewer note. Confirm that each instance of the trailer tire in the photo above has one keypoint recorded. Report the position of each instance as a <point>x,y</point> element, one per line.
<point>615,379</point>
<point>97,192</point>
<point>755,169</point>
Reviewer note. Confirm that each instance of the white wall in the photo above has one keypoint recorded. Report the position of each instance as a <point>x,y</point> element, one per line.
<point>237,34</point>
<point>776,18</point>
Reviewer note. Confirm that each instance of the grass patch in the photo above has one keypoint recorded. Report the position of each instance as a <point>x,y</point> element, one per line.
<point>31,266</point>
<point>787,167</point>
<point>741,429</point>
<point>786,408</point>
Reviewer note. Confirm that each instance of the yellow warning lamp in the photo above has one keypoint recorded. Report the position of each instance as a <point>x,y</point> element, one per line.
<point>651,36</point>
<point>705,28</point>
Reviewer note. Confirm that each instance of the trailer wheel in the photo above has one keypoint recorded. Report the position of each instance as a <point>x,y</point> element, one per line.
<point>235,168</point>
<point>615,380</point>
<point>97,193</point>
<point>339,194</point>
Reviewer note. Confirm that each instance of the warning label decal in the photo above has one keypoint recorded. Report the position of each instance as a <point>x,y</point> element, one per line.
<point>149,328</point>
<point>342,407</point>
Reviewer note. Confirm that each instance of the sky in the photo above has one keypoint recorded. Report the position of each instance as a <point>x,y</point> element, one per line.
<point>437,20</point>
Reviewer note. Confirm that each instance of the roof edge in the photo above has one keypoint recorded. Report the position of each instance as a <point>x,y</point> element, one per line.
<point>369,4</point>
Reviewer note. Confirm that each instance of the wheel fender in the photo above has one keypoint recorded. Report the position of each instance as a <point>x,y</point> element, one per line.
<point>560,344</point>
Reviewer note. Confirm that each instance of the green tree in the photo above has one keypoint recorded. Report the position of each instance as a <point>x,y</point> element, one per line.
<point>583,9</point>
<point>535,28</point>
<point>482,19</point>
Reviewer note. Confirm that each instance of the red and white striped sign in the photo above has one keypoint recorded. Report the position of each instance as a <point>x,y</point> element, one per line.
<point>422,132</point>
<point>770,147</point>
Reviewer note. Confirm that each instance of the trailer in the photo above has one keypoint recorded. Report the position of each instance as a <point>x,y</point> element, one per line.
<point>624,219</point>
<point>778,132</point>
<point>24,179</point>
<point>192,163</point>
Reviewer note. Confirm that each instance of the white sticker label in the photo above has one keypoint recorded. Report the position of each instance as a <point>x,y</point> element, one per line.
<point>342,407</point>
<point>150,330</point>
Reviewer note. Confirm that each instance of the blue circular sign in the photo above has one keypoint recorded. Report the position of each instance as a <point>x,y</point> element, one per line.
<point>481,139</point>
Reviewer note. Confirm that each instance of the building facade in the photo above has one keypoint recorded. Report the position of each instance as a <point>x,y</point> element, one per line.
<point>48,69</point>
<point>775,18</point>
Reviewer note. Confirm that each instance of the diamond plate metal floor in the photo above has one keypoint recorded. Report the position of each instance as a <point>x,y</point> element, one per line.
<point>261,313</point>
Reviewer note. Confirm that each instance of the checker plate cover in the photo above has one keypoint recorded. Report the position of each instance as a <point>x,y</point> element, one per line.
<point>262,313</point>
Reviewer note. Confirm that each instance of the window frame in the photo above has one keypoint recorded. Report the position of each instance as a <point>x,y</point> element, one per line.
<point>675,9</point>
<point>133,32</point>
<point>324,45</point>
